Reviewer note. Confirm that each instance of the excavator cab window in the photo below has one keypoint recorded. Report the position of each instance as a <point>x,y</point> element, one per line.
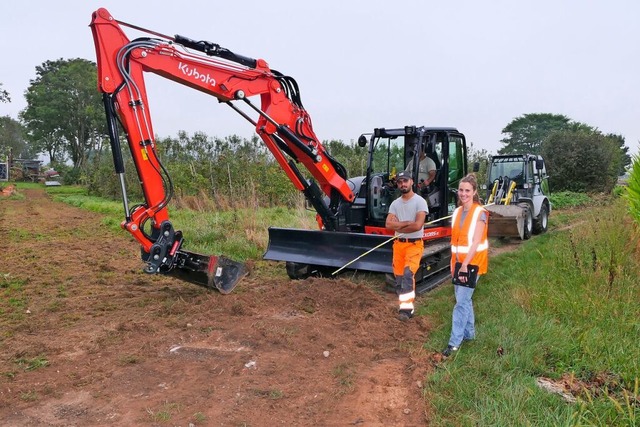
<point>387,160</point>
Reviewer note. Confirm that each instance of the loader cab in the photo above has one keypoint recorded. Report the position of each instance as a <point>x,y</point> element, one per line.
<point>527,173</point>
<point>393,150</point>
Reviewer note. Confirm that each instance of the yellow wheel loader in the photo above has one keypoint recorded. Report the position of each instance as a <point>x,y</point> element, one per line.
<point>518,196</point>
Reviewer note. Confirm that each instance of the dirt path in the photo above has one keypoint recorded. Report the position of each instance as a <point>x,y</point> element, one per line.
<point>87,339</point>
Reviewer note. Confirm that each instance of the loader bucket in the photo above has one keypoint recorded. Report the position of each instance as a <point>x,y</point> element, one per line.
<point>506,221</point>
<point>212,272</point>
<point>329,249</point>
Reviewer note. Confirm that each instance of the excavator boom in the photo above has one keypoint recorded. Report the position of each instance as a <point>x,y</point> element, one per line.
<point>280,120</point>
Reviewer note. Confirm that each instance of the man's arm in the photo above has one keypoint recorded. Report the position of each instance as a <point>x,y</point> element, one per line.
<point>391,222</point>
<point>406,226</point>
<point>431,176</point>
<point>417,224</point>
<point>431,171</point>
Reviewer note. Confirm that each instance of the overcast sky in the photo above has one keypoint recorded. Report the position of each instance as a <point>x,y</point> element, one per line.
<point>361,64</point>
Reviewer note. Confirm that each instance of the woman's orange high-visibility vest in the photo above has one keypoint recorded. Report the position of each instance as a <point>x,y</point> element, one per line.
<point>461,238</point>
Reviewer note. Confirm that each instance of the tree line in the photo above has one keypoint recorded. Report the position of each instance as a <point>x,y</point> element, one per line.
<point>64,120</point>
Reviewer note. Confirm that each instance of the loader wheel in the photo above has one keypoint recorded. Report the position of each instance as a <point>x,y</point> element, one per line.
<point>528,223</point>
<point>540,224</point>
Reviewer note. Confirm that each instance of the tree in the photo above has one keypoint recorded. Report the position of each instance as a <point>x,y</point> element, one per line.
<point>625,158</point>
<point>64,112</point>
<point>482,158</point>
<point>4,95</point>
<point>525,134</point>
<point>581,161</point>
<point>12,138</point>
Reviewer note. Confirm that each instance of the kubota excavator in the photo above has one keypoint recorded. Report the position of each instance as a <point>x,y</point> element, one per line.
<point>350,211</point>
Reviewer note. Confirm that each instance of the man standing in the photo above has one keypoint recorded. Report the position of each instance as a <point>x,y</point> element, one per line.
<point>406,217</point>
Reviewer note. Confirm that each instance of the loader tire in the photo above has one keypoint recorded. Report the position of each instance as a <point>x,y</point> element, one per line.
<point>528,223</point>
<point>541,223</point>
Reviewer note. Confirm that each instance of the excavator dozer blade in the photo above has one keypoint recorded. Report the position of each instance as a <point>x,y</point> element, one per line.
<point>329,249</point>
<point>210,271</point>
<point>506,221</point>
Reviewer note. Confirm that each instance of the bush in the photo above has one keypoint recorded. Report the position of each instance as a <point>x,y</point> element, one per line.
<point>569,199</point>
<point>581,161</point>
<point>632,193</point>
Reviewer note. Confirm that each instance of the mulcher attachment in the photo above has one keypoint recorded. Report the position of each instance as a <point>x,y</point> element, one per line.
<point>210,271</point>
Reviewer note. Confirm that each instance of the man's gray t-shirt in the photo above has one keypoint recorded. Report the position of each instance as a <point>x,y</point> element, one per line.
<point>407,210</point>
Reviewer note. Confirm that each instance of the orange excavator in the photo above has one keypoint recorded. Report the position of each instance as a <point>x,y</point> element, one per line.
<point>350,211</point>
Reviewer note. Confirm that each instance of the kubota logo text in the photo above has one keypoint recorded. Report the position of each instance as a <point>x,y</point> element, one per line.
<point>193,72</point>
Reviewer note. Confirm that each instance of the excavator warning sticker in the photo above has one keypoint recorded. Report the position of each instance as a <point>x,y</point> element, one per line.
<point>325,167</point>
<point>144,154</point>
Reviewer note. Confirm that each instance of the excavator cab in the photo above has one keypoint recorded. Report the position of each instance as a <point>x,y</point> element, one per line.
<point>393,150</point>
<point>390,150</point>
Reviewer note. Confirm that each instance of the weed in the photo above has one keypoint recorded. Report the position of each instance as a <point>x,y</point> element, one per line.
<point>9,374</point>
<point>12,284</point>
<point>129,359</point>
<point>54,306</point>
<point>344,375</point>
<point>199,417</point>
<point>32,364</point>
<point>29,396</point>
<point>272,394</point>
<point>165,412</point>
<point>62,291</point>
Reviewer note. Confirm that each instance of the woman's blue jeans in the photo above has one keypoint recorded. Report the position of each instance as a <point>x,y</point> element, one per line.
<point>463,320</point>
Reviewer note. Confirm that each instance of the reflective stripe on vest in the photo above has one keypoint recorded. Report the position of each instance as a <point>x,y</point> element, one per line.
<point>463,249</point>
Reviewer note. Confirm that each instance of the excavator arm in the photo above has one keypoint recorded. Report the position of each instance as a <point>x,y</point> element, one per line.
<point>281,122</point>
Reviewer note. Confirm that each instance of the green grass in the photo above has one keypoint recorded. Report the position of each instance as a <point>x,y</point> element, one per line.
<point>239,234</point>
<point>33,363</point>
<point>565,305</point>
<point>164,412</point>
<point>568,199</point>
<point>13,302</point>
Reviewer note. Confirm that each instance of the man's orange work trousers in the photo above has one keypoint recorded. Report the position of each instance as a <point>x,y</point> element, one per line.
<point>406,260</point>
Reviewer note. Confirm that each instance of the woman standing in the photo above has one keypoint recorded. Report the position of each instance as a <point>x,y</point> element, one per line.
<point>469,259</point>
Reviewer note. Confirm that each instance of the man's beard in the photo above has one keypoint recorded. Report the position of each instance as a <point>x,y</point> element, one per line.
<point>405,190</point>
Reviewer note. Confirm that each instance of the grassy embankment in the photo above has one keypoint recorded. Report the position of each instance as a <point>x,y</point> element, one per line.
<point>564,307</point>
